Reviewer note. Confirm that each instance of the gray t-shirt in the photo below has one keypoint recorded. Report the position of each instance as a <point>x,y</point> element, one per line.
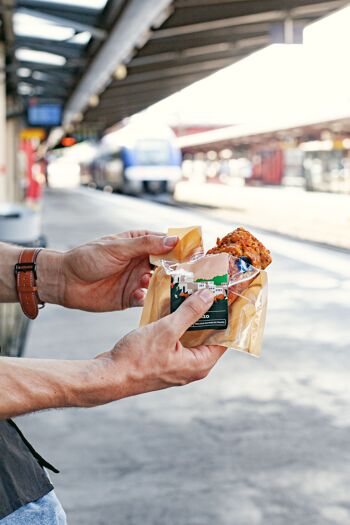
<point>22,476</point>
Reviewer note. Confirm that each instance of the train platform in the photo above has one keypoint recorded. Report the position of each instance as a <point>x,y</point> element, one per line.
<point>312,216</point>
<point>259,441</point>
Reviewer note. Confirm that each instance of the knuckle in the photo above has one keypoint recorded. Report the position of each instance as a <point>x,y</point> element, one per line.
<point>201,374</point>
<point>108,238</point>
<point>194,308</point>
<point>146,241</point>
<point>165,329</point>
<point>128,339</point>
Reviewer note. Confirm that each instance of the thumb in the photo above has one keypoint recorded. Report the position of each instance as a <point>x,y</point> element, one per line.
<point>149,245</point>
<point>190,311</point>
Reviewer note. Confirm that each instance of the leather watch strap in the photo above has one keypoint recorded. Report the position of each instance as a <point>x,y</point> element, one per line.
<point>25,273</point>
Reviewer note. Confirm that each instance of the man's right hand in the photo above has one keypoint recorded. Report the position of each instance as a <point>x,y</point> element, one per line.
<point>152,358</point>
<point>147,359</point>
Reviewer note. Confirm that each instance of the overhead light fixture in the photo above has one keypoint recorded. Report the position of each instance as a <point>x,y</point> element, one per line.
<point>94,101</point>
<point>24,72</point>
<point>78,117</point>
<point>120,72</point>
<point>24,89</point>
<point>28,25</point>
<point>81,38</point>
<point>31,55</point>
<point>94,5</point>
<point>326,135</point>
<point>39,75</point>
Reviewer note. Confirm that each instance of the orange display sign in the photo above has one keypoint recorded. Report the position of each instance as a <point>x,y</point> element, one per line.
<point>32,133</point>
<point>68,141</point>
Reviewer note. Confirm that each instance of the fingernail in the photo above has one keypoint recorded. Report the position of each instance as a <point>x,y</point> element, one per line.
<point>169,242</point>
<point>206,295</point>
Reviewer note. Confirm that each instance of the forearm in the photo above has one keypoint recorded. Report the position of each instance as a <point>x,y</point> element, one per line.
<point>49,268</point>
<point>28,385</point>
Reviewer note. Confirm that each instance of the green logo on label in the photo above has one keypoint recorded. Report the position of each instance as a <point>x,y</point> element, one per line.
<point>183,285</point>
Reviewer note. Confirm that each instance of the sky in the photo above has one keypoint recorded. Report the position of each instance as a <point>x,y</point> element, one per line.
<point>278,83</point>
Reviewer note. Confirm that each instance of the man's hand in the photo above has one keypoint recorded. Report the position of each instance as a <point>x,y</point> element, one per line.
<point>104,275</point>
<point>150,358</point>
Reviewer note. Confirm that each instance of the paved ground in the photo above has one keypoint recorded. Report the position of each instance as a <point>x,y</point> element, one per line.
<point>315,216</point>
<point>259,442</point>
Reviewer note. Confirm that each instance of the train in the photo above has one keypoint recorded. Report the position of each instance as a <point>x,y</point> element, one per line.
<point>139,157</point>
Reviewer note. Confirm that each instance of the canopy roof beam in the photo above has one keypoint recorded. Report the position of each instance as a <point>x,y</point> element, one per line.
<point>178,70</point>
<point>49,46</point>
<point>197,53</point>
<point>163,85</point>
<point>132,26</point>
<point>47,87</point>
<point>46,68</point>
<point>192,15</point>
<point>193,42</point>
<point>213,25</point>
<point>266,11</point>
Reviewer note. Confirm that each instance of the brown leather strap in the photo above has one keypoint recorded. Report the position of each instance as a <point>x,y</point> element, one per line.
<point>25,273</point>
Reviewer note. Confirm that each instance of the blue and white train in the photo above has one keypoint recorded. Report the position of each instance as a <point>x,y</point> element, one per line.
<point>139,157</point>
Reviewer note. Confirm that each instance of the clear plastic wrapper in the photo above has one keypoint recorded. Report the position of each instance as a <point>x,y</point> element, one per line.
<point>237,318</point>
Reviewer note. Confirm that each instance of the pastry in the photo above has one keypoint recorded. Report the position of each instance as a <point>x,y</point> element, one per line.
<point>248,251</point>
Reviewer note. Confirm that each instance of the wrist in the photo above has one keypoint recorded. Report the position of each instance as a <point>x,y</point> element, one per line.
<point>126,376</point>
<point>50,276</point>
<point>101,381</point>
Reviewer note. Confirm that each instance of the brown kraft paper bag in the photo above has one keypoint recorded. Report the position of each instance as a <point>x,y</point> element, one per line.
<point>246,315</point>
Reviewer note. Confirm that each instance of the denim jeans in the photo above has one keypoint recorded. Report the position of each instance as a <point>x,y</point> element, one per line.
<point>44,511</point>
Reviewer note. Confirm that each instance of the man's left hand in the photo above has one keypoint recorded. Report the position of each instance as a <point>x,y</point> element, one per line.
<point>108,274</point>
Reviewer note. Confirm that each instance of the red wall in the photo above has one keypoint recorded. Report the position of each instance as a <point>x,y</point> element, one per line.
<point>269,168</point>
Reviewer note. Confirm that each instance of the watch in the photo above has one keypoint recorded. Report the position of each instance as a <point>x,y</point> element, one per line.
<point>25,275</point>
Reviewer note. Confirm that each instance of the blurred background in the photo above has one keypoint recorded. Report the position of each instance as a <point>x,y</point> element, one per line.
<point>121,114</point>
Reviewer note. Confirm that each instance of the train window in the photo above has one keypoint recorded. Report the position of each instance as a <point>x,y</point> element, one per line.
<point>152,152</point>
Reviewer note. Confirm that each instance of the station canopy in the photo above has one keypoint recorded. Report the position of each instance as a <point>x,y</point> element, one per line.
<point>104,60</point>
